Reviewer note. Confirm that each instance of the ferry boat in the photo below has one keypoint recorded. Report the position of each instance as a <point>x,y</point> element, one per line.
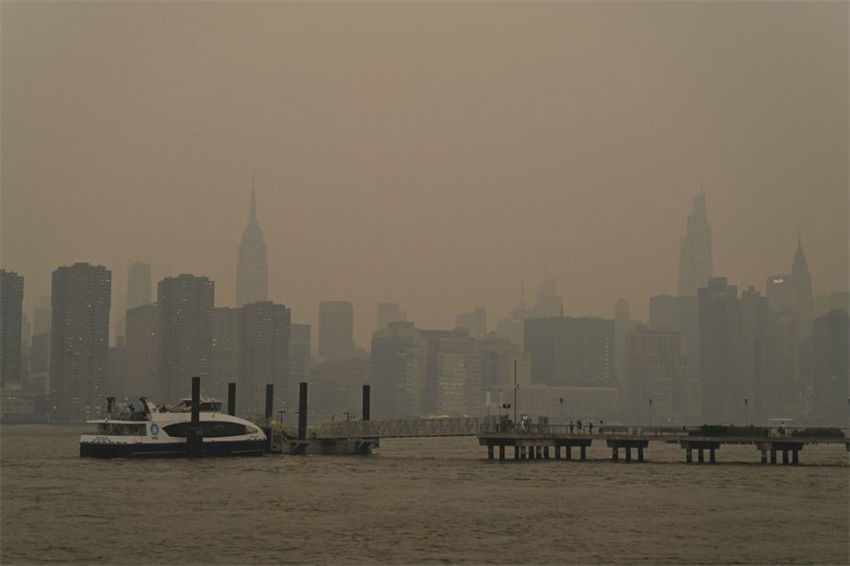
<point>154,432</point>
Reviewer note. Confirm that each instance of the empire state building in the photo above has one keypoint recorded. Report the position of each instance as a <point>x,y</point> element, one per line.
<point>252,264</point>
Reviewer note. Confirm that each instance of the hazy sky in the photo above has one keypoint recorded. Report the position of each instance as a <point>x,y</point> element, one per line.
<point>422,153</point>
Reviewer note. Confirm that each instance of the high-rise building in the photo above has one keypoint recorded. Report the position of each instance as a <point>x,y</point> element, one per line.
<point>398,370</point>
<point>793,290</point>
<point>139,285</point>
<point>823,303</point>
<point>252,263</point>
<point>475,322</point>
<point>622,328</point>
<point>142,340</point>
<point>336,329</point>
<point>695,263</point>
<point>831,337</point>
<point>39,378</point>
<point>571,351</point>
<point>265,354</point>
<point>754,327</point>
<point>300,343</point>
<point>79,349</point>
<point>185,335</point>
<point>226,351</point>
<point>41,316</point>
<point>658,383</point>
<point>720,352</point>
<point>387,313</point>
<point>663,313</point>
<point>11,310</point>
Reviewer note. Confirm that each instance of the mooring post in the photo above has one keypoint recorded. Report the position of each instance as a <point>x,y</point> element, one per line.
<point>502,452</point>
<point>231,399</point>
<point>689,455</point>
<point>701,456</point>
<point>195,436</point>
<point>269,401</point>
<point>302,410</point>
<point>711,455</point>
<point>772,455</point>
<point>582,453</point>
<point>489,451</point>
<point>796,458</point>
<point>640,454</point>
<point>367,389</point>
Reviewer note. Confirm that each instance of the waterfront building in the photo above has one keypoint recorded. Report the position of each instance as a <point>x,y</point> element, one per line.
<point>695,260</point>
<point>186,305</point>
<point>659,388</point>
<point>226,351</point>
<point>252,261</point>
<point>79,349</point>
<point>142,342</point>
<point>720,352</point>
<point>831,369</point>
<point>265,354</point>
<point>567,351</point>
<point>336,329</point>
<point>398,370</point>
<point>11,316</point>
<point>300,358</point>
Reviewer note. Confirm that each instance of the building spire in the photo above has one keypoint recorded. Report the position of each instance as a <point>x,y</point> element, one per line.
<point>252,216</point>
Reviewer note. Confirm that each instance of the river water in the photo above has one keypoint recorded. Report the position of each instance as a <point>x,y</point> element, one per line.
<point>418,501</point>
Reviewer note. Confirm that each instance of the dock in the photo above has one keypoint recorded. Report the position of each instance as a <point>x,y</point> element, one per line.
<point>544,441</point>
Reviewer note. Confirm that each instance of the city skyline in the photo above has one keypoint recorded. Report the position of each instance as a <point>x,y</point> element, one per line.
<point>398,190</point>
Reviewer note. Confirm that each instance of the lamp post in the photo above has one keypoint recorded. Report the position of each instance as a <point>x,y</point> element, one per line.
<point>650,411</point>
<point>746,417</point>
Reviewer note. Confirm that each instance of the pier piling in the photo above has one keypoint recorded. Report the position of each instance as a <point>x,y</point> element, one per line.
<point>269,401</point>
<point>231,399</point>
<point>367,389</point>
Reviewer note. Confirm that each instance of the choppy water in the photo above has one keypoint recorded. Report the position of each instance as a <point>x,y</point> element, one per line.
<point>425,500</point>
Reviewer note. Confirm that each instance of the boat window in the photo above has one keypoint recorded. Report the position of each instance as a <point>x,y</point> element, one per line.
<point>212,429</point>
<point>121,429</point>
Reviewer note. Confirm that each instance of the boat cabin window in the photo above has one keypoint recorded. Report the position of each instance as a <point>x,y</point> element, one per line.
<point>121,429</point>
<point>212,429</point>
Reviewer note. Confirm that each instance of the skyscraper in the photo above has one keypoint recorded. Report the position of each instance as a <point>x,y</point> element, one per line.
<point>832,370</point>
<point>79,349</point>
<point>252,263</point>
<point>793,291</point>
<point>265,353</point>
<point>475,322</point>
<point>568,351</point>
<point>398,369</point>
<point>138,285</point>
<point>336,329</point>
<point>695,264</point>
<point>720,352</point>
<point>185,336</point>
<point>142,351</point>
<point>11,305</point>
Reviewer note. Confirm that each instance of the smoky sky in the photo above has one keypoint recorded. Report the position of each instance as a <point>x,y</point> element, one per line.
<point>425,153</point>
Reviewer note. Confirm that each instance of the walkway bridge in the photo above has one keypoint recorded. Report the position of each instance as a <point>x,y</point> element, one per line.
<point>404,428</point>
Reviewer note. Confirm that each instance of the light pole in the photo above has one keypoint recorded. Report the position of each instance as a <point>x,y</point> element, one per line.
<point>746,417</point>
<point>516,387</point>
<point>650,412</point>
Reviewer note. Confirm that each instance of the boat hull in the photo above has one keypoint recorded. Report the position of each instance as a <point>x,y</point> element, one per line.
<point>170,449</point>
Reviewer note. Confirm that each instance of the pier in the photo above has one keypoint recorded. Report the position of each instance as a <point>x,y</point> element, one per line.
<point>537,441</point>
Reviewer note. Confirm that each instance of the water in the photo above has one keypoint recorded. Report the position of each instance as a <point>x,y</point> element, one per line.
<point>420,500</point>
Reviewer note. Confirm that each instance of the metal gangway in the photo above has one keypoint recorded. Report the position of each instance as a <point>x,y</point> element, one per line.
<point>403,428</point>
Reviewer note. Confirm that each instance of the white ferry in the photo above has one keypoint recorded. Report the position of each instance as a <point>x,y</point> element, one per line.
<point>155,432</point>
